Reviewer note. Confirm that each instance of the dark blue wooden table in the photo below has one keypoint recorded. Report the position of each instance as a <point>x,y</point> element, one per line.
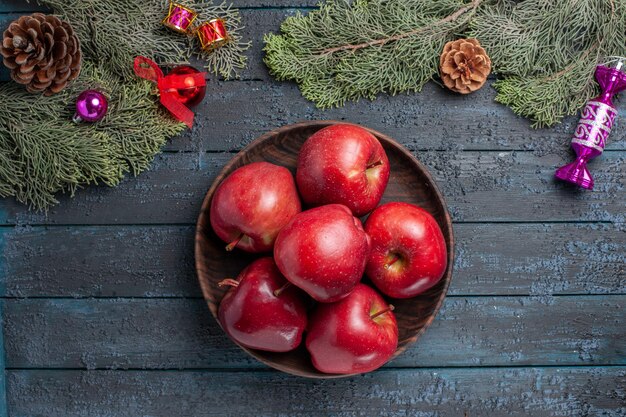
<point>103,316</point>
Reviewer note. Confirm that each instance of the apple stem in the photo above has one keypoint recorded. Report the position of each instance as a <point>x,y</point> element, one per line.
<point>234,243</point>
<point>392,261</point>
<point>281,289</point>
<point>375,164</point>
<point>381,312</point>
<point>228,281</point>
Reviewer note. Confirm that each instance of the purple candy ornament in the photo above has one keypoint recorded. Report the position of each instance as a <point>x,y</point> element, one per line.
<point>91,106</point>
<point>594,127</point>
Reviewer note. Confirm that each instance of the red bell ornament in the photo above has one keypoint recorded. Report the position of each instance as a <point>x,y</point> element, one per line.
<point>191,94</point>
<point>212,34</point>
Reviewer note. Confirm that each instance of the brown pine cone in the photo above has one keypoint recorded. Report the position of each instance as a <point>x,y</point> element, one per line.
<point>42,53</point>
<point>464,65</point>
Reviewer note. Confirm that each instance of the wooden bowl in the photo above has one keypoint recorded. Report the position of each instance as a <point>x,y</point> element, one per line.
<point>409,182</point>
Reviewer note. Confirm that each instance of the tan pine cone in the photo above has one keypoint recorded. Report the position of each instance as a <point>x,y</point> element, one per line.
<point>42,53</point>
<point>464,65</point>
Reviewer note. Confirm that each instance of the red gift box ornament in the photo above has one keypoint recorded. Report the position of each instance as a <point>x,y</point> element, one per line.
<point>169,87</point>
<point>212,34</point>
<point>179,17</point>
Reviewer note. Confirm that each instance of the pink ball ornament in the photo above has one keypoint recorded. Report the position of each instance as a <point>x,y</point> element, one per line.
<point>91,106</point>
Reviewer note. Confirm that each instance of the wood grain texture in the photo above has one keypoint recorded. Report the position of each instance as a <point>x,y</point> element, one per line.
<point>478,186</point>
<point>435,119</point>
<point>534,392</point>
<point>409,182</point>
<point>491,259</point>
<point>3,385</point>
<point>96,261</point>
<point>19,6</point>
<point>182,334</point>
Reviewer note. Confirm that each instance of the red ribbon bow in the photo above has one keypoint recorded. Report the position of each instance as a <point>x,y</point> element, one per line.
<point>168,85</point>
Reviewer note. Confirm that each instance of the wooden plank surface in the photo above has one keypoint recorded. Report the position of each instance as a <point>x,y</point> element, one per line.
<point>3,384</point>
<point>181,334</point>
<point>533,325</point>
<point>435,119</point>
<point>537,392</point>
<point>478,186</point>
<point>491,259</point>
<point>19,6</point>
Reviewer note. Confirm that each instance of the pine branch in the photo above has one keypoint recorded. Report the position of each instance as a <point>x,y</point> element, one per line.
<point>545,52</point>
<point>114,32</point>
<point>228,60</point>
<point>43,153</point>
<point>346,51</point>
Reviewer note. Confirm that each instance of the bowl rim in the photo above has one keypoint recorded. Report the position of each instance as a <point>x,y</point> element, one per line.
<point>202,222</point>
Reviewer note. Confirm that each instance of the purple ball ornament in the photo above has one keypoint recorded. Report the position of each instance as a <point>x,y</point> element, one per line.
<point>91,106</point>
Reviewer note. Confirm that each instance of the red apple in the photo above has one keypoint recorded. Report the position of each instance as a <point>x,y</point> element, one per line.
<point>357,334</point>
<point>262,310</point>
<point>343,164</point>
<point>252,204</point>
<point>323,251</point>
<point>408,253</point>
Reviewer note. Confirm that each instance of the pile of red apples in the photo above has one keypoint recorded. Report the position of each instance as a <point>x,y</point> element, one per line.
<point>311,288</point>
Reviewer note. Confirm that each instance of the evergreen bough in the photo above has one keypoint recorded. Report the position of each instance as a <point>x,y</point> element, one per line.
<point>544,51</point>
<point>42,152</point>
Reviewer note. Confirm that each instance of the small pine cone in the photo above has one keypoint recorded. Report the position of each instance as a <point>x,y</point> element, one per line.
<point>464,65</point>
<point>42,53</point>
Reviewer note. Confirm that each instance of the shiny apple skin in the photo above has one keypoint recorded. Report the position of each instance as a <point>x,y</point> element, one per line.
<point>332,168</point>
<point>256,318</point>
<point>344,339</point>
<point>256,200</point>
<point>323,251</point>
<point>411,233</point>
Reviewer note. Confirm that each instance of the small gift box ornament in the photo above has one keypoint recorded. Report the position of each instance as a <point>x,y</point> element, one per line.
<point>179,18</point>
<point>212,34</point>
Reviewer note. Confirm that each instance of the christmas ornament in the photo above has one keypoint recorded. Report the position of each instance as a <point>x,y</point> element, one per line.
<point>91,106</point>
<point>191,94</point>
<point>179,17</point>
<point>42,53</point>
<point>595,124</point>
<point>169,87</point>
<point>464,65</point>
<point>212,34</point>
<point>44,154</point>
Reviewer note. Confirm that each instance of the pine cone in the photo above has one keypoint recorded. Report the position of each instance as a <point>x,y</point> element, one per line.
<point>464,65</point>
<point>42,52</point>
